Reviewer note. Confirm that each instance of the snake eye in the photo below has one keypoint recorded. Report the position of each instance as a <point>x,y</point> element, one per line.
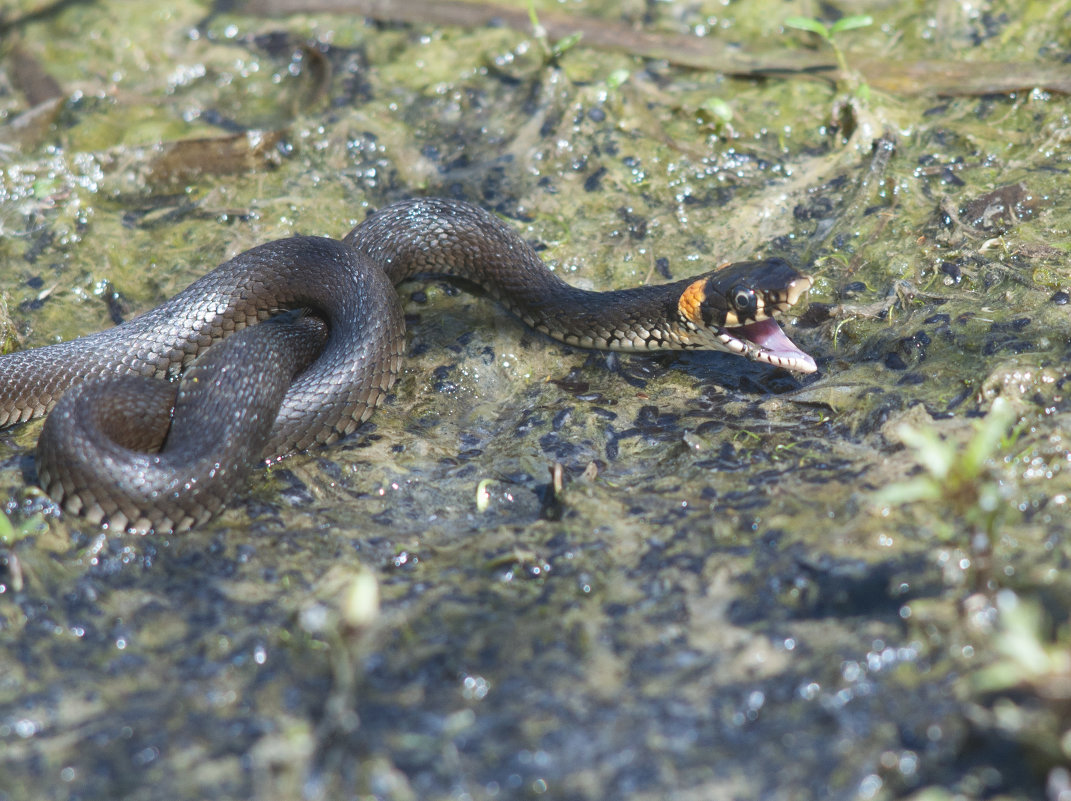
<point>743,301</point>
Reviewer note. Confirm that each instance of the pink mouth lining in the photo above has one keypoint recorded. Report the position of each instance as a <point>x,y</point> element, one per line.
<point>776,348</point>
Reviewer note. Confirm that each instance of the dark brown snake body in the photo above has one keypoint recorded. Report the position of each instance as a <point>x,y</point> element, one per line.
<point>259,390</point>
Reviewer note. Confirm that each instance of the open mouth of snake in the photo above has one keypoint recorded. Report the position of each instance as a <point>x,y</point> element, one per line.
<point>764,341</point>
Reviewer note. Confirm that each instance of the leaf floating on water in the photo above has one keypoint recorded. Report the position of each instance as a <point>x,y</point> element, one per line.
<point>359,605</point>
<point>992,213</point>
<point>43,94</point>
<point>308,75</point>
<point>32,79</point>
<point>483,496</point>
<point>1001,208</point>
<point>222,155</point>
<point>837,396</point>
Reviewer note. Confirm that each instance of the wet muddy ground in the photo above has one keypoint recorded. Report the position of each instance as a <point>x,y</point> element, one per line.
<point>749,584</point>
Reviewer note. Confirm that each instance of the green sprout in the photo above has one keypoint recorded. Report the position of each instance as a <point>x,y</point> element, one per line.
<point>10,533</point>
<point>829,33</point>
<point>1022,644</point>
<point>1030,678</point>
<point>555,51</point>
<point>960,478</point>
<point>716,110</point>
<point>617,78</point>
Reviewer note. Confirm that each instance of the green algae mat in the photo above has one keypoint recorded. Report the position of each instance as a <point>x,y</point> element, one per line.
<point>539,571</point>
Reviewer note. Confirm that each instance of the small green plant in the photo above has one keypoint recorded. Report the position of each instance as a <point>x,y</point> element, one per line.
<point>1028,684</point>
<point>1028,651</point>
<point>617,78</point>
<point>11,534</point>
<point>829,33</point>
<point>960,477</point>
<point>552,52</point>
<point>716,111</point>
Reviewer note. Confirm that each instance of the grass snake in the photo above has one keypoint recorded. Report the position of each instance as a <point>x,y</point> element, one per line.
<point>293,343</point>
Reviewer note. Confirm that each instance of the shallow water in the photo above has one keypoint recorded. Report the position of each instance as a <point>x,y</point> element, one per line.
<point>719,603</point>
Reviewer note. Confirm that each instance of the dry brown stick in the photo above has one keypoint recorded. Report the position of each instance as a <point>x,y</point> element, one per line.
<point>962,78</point>
<point>684,50</point>
<point>8,21</point>
<point>707,53</point>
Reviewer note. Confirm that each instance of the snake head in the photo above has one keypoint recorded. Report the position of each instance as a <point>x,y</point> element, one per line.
<point>733,310</point>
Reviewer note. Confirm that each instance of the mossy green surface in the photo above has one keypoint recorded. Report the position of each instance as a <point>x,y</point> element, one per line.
<point>721,602</point>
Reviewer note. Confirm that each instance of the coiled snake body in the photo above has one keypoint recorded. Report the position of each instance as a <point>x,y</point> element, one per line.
<point>251,392</point>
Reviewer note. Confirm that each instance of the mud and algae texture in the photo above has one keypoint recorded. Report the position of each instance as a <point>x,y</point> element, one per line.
<point>721,600</point>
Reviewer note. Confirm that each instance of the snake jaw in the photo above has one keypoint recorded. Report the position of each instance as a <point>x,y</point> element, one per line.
<point>764,341</point>
<point>729,312</point>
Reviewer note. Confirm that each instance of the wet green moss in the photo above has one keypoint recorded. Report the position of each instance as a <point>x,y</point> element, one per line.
<point>720,588</point>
